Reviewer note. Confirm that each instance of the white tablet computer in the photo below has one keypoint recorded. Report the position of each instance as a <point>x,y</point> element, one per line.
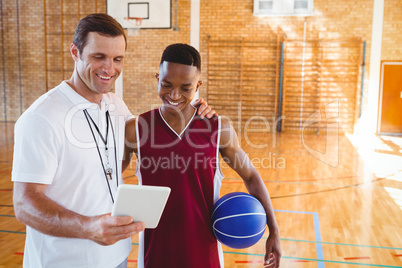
<point>143,203</point>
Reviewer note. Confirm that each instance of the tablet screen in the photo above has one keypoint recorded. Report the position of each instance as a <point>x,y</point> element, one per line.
<point>142,202</point>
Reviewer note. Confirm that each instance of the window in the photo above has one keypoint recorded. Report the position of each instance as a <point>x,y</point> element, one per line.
<point>283,7</point>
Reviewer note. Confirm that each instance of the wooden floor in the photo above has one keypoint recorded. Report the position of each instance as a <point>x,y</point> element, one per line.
<point>338,200</point>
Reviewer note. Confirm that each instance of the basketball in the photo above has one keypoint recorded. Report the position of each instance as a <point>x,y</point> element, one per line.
<point>238,220</point>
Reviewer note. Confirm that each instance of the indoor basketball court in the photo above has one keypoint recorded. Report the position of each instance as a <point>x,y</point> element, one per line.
<point>312,88</point>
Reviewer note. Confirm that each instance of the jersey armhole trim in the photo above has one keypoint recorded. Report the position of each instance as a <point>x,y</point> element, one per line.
<point>137,169</point>
<point>218,141</point>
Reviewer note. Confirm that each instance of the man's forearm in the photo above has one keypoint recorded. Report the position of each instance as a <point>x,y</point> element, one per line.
<point>35,209</point>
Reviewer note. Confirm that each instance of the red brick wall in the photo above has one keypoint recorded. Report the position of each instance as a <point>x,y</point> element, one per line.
<point>143,57</point>
<point>23,75</point>
<point>392,31</point>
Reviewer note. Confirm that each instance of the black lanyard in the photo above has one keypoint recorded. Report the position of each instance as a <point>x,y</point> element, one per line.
<point>108,172</point>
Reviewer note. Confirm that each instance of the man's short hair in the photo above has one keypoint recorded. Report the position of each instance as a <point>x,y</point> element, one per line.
<point>100,23</point>
<point>183,54</point>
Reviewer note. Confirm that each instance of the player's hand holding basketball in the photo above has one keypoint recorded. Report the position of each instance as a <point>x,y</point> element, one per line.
<point>273,251</point>
<point>107,230</point>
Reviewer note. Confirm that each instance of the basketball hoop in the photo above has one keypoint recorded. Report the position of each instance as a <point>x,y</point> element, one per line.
<point>133,25</point>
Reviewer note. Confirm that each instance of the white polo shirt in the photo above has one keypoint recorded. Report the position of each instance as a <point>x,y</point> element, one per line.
<point>54,145</point>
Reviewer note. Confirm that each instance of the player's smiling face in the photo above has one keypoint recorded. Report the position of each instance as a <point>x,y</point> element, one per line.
<point>101,62</point>
<point>177,85</point>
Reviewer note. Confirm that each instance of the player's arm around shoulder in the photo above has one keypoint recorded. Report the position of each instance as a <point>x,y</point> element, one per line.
<point>130,142</point>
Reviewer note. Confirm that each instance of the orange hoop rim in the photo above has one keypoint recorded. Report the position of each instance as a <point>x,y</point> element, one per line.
<point>138,21</point>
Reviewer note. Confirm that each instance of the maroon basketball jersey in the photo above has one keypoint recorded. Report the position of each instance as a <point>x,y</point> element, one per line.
<point>187,163</point>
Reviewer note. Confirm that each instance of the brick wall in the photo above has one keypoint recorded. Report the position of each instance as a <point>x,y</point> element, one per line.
<point>34,49</point>
<point>28,68</point>
<point>143,56</point>
<point>392,31</point>
<point>21,67</point>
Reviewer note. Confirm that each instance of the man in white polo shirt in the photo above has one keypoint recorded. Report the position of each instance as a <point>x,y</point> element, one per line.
<point>68,159</point>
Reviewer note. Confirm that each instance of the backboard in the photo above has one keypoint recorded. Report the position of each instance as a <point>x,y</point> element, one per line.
<point>155,14</point>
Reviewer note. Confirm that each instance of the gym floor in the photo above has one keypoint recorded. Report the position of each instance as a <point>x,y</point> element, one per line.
<point>337,200</point>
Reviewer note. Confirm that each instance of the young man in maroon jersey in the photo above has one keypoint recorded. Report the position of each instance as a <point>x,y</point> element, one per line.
<point>177,149</point>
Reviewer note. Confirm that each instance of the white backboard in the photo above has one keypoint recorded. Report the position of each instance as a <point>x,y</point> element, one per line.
<point>155,14</point>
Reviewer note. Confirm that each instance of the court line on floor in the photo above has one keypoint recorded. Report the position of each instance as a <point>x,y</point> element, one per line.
<point>360,185</point>
<point>324,179</point>
<point>317,232</point>
<point>12,232</point>
<point>356,258</point>
<point>287,239</point>
<point>320,259</point>
<point>289,180</point>
<point>326,190</point>
<point>129,177</point>
<point>306,259</point>
<point>315,260</point>
<point>337,244</point>
<point>283,257</point>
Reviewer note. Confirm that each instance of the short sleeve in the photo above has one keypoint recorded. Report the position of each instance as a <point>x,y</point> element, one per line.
<point>128,114</point>
<point>35,150</point>
<point>119,107</point>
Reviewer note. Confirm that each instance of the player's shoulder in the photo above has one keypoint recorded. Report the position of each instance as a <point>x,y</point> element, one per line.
<point>222,122</point>
<point>148,113</point>
<point>207,123</point>
<point>146,120</point>
<point>225,123</point>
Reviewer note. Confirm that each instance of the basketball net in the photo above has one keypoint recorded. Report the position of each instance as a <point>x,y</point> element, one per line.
<point>133,25</point>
